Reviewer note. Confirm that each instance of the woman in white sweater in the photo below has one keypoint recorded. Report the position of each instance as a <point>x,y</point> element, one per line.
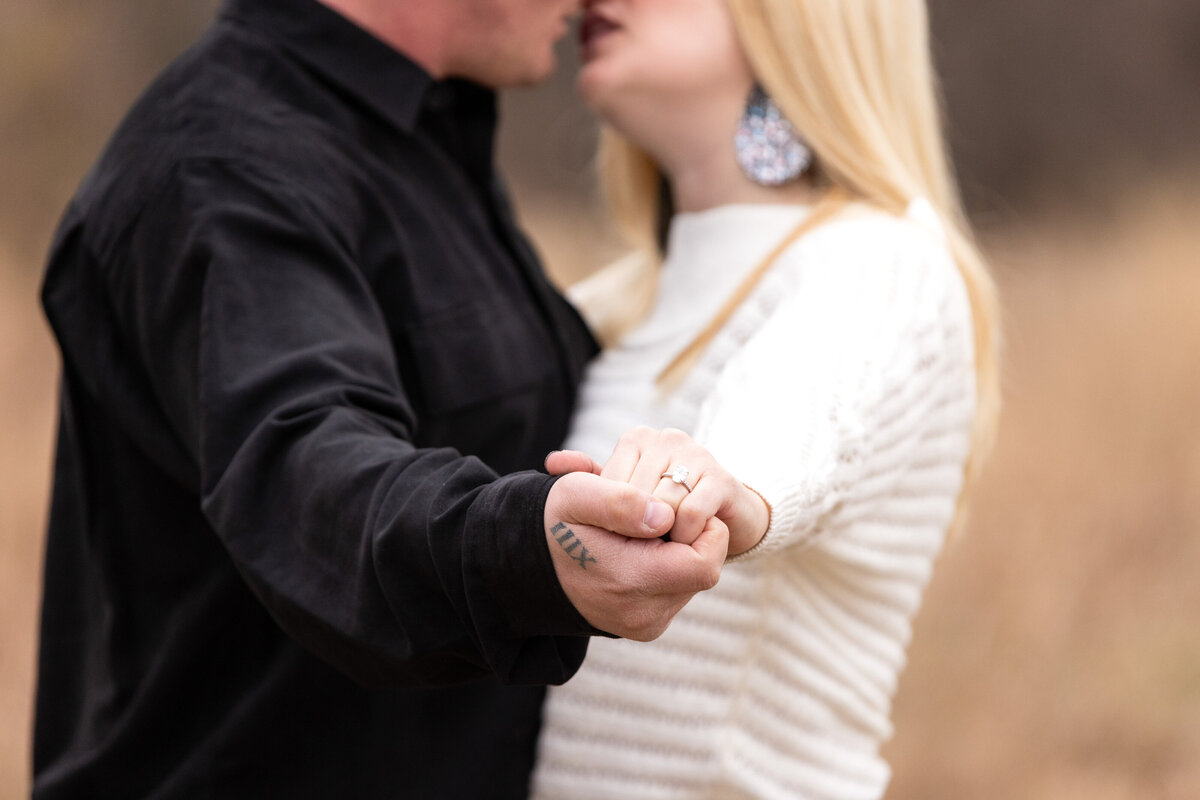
<point>819,322</point>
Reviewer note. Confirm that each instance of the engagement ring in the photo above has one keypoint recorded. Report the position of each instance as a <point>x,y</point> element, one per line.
<point>679,475</point>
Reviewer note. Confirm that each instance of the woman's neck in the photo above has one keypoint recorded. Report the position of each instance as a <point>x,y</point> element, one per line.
<point>701,167</point>
<point>719,181</point>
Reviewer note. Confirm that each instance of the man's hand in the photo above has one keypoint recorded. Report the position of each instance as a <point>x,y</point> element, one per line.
<point>604,539</point>
<point>641,458</point>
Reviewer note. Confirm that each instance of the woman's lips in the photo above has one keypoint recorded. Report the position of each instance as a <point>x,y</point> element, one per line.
<point>592,28</point>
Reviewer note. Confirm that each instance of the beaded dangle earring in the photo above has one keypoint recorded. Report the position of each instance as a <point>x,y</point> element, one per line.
<point>769,150</point>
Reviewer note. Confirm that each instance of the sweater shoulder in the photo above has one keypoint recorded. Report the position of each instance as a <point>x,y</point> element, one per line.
<point>871,237</point>
<point>874,263</point>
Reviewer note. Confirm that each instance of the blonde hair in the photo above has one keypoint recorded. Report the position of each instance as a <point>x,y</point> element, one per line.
<point>856,78</point>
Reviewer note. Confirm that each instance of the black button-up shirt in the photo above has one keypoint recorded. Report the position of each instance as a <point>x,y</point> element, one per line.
<point>302,339</point>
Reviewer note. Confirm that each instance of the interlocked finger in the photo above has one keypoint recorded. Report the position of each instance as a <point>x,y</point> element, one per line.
<point>626,456</point>
<point>673,488</point>
<point>710,497</point>
<point>668,449</point>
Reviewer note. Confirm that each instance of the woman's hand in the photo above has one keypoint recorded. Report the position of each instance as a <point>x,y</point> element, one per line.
<point>644,458</point>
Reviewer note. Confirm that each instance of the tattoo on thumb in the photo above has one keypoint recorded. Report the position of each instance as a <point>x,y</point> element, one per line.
<point>575,548</point>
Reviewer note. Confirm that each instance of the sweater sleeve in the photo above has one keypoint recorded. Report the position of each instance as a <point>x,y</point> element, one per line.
<point>861,368</point>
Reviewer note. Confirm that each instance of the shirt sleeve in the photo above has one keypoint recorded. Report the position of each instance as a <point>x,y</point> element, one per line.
<point>866,360</point>
<point>269,355</point>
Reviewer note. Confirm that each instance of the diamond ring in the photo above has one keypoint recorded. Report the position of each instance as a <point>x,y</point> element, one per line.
<point>678,475</point>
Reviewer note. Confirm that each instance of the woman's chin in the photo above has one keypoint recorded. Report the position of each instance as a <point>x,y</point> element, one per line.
<point>594,87</point>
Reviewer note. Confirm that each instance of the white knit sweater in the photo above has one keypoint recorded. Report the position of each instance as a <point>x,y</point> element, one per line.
<point>843,390</point>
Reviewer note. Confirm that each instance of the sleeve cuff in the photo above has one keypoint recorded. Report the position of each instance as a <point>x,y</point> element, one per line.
<point>514,563</point>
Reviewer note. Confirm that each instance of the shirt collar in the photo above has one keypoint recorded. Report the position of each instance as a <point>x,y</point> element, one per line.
<point>380,76</point>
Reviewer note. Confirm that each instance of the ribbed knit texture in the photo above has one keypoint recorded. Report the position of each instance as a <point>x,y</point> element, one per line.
<point>843,390</point>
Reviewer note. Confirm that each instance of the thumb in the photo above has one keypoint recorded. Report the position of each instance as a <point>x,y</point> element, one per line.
<point>560,462</point>
<point>695,567</point>
<point>587,499</point>
<point>712,544</point>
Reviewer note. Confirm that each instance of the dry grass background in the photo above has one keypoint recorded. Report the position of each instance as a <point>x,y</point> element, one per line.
<point>28,374</point>
<point>1058,654</point>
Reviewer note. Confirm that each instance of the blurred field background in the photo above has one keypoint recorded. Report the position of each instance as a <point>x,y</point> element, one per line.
<point>1058,653</point>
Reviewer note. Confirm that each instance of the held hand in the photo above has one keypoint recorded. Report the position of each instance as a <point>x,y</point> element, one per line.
<point>643,456</point>
<point>604,540</point>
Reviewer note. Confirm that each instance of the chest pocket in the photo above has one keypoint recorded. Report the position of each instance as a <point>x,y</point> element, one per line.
<point>476,356</point>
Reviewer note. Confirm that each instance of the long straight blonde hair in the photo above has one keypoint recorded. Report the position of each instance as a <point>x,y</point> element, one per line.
<point>856,78</point>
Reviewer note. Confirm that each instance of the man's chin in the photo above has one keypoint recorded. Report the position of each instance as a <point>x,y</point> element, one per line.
<point>538,72</point>
<point>511,76</point>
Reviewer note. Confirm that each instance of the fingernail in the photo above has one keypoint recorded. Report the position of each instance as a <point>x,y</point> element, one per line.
<point>658,514</point>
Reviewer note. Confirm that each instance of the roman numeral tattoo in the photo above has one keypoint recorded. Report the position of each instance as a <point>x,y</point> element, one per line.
<point>567,539</point>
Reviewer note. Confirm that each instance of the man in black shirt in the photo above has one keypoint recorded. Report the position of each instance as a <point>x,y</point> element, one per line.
<point>309,367</point>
